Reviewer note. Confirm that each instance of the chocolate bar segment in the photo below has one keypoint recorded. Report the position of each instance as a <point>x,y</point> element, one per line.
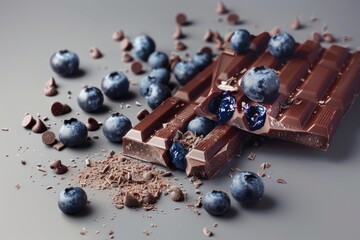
<point>317,87</point>
<point>151,139</point>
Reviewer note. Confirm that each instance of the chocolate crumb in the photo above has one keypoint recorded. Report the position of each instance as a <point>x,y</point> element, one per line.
<point>181,19</point>
<point>17,186</point>
<point>265,165</point>
<point>83,231</point>
<point>137,103</point>
<point>208,36</point>
<point>51,83</point>
<point>178,34</point>
<point>118,35</point>
<point>142,114</point>
<point>295,24</point>
<point>176,194</point>
<point>281,181</point>
<point>58,167</point>
<point>92,124</point>
<point>180,46</point>
<point>39,126</point>
<point>131,201</point>
<point>48,138</point>
<point>220,8</point>
<point>251,156</point>
<point>5,129</point>
<point>261,174</point>
<point>125,44</point>
<point>136,67</point>
<point>207,232</point>
<point>215,225</point>
<point>126,57</point>
<point>233,19</point>
<point>28,121</point>
<point>198,202</point>
<point>95,53</point>
<point>150,199</point>
<point>347,38</point>
<point>313,18</point>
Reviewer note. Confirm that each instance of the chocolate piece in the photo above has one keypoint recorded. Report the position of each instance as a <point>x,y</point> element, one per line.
<point>66,108</point>
<point>118,35</point>
<point>328,37</point>
<point>125,44</point>
<point>233,19</point>
<point>95,53</point>
<point>28,121</point>
<point>51,83</point>
<point>57,109</point>
<point>180,46</point>
<point>59,146</point>
<point>58,167</point>
<point>295,24</point>
<point>316,36</point>
<point>126,57</point>
<point>92,124</point>
<point>39,126</point>
<point>136,67</point>
<point>142,114</point>
<point>275,31</point>
<point>50,91</point>
<point>151,139</point>
<point>131,201</point>
<point>181,19</point>
<point>207,50</point>
<point>178,34</point>
<point>227,37</point>
<point>48,138</point>
<point>317,87</point>
<point>176,194</point>
<point>174,59</point>
<point>220,8</point>
<point>208,36</point>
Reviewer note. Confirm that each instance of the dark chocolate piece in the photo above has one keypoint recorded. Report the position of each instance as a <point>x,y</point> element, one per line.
<point>59,146</point>
<point>28,121</point>
<point>233,19</point>
<point>181,19</point>
<point>58,167</point>
<point>92,124</point>
<point>48,137</point>
<point>57,109</point>
<point>95,53</point>
<point>136,67</point>
<point>39,126</point>
<point>126,57</point>
<point>142,114</point>
<point>180,46</point>
<point>317,87</point>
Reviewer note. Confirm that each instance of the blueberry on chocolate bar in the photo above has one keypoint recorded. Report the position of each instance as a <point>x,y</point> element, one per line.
<point>282,45</point>
<point>223,106</point>
<point>201,60</point>
<point>201,126</point>
<point>240,41</point>
<point>177,154</point>
<point>156,94</point>
<point>255,116</point>
<point>260,84</point>
<point>184,71</point>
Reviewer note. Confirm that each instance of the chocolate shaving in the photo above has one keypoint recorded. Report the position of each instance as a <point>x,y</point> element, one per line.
<point>281,181</point>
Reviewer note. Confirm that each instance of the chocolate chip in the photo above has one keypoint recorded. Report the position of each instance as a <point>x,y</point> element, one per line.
<point>92,124</point>
<point>39,126</point>
<point>328,37</point>
<point>58,167</point>
<point>125,44</point>
<point>50,91</point>
<point>126,57</point>
<point>220,8</point>
<point>208,36</point>
<point>174,59</point>
<point>136,67</point>
<point>233,19</point>
<point>178,34</point>
<point>57,109</point>
<point>217,38</point>
<point>28,122</point>
<point>207,50</point>
<point>295,24</point>
<point>176,194</point>
<point>95,53</point>
<point>118,35</point>
<point>48,138</point>
<point>142,114</point>
<point>51,83</point>
<point>67,108</point>
<point>180,46</point>
<point>181,19</point>
<point>58,146</point>
<point>131,201</point>
<point>150,199</point>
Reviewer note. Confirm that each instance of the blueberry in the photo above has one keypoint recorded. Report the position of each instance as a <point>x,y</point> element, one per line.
<point>178,153</point>
<point>223,106</point>
<point>143,46</point>
<point>162,75</point>
<point>201,60</point>
<point>247,187</point>
<point>240,41</point>
<point>115,85</point>
<point>65,63</point>
<point>282,45</point>
<point>201,126</point>
<point>216,202</point>
<point>255,116</point>
<point>184,71</point>
<point>158,60</point>
<point>90,99</point>
<point>116,126</point>
<point>73,133</point>
<point>261,84</point>
<point>156,94</point>
<point>72,200</point>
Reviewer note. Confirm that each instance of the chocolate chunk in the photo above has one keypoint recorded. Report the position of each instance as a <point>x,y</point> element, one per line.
<point>67,108</point>
<point>150,199</point>
<point>57,109</point>
<point>207,50</point>
<point>59,146</point>
<point>95,53</point>
<point>208,36</point>
<point>217,38</point>
<point>51,83</point>
<point>180,46</point>
<point>176,194</point>
<point>136,67</point>
<point>220,8</point>
<point>92,124</point>
<point>39,126</point>
<point>316,36</point>
<point>233,19</point>
<point>58,167</point>
<point>178,34</point>
<point>181,19</point>
<point>126,57</point>
<point>131,201</point>
<point>142,114</point>
<point>125,44</point>
<point>118,35</point>
<point>28,121</point>
<point>48,137</point>
<point>50,91</point>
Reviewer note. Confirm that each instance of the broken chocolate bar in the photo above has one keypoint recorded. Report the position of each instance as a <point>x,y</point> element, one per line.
<point>317,87</point>
<point>151,139</point>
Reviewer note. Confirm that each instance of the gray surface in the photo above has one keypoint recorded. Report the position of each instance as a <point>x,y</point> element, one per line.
<point>320,201</point>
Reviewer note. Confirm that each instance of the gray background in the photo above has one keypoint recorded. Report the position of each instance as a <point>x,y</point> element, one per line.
<point>321,197</point>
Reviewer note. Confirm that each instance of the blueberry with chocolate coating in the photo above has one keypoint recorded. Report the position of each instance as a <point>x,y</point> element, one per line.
<point>247,187</point>
<point>177,154</point>
<point>282,45</point>
<point>240,41</point>
<point>73,133</point>
<point>72,200</point>
<point>158,60</point>
<point>115,85</point>
<point>255,116</point>
<point>143,46</point>
<point>201,60</point>
<point>260,84</point>
<point>156,94</point>
<point>201,126</point>
<point>116,126</point>
<point>65,63</point>
<point>216,202</point>
<point>90,99</point>
<point>184,71</point>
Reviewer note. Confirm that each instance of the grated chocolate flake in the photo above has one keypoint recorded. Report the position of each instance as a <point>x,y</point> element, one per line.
<point>251,156</point>
<point>281,181</point>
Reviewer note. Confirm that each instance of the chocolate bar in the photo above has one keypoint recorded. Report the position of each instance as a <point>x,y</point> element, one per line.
<point>151,139</point>
<point>317,87</point>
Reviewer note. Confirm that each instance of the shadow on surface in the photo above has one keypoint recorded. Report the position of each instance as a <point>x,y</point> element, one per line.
<point>265,204</point>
